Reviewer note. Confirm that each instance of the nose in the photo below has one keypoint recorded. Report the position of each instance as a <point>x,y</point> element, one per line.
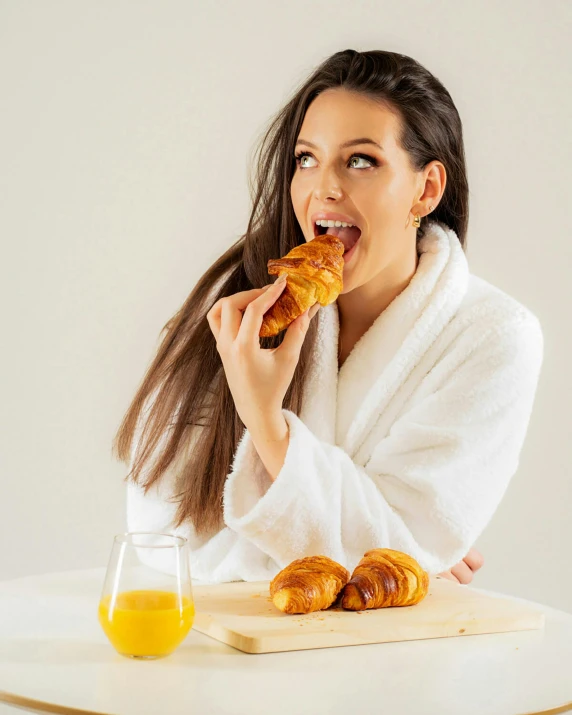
<point>327,187</point>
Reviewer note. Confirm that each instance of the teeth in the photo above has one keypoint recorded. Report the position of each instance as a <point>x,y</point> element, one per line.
<point>328,223</point>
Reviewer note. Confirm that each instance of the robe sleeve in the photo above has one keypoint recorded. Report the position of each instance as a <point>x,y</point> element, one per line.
<point>223,557</point>
<point>218,558</point>
<point>430,486</point>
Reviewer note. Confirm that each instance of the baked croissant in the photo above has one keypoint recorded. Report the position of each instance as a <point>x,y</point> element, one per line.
<point>385,577</point>
<point>309,584</point>
<point>314,273</point>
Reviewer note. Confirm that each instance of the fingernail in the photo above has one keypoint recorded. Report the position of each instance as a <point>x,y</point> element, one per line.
<point>313,310</point>
<point>281,279</point>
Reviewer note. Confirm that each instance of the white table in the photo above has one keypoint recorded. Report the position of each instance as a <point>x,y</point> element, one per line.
<point>54,655</point>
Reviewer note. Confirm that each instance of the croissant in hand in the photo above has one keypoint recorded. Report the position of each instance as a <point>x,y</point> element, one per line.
<point>309,584</point>
<point>314,273</point>
<point>385,577</point>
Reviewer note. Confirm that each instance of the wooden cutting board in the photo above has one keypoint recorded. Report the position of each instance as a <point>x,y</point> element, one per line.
<point>242,615</point>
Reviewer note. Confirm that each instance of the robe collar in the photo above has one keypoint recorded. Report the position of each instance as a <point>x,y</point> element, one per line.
<point>384,357</point>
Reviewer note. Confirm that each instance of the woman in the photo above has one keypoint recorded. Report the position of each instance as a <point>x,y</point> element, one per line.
<point>395,418</point>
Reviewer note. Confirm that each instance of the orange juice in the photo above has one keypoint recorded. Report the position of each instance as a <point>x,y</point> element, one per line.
<point>146,623</point>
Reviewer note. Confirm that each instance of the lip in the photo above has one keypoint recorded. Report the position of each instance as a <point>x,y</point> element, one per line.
<point>331,216</point>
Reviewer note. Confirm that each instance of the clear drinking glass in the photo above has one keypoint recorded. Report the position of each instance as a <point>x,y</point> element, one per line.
<point>144,612</point>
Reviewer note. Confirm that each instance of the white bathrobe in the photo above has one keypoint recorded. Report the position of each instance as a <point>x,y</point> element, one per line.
<point>410,445</point>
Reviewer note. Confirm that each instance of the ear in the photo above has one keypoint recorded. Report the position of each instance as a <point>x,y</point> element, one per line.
<point>432,187</point>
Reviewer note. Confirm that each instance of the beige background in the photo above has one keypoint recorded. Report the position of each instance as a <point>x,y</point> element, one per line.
<point>126,131</point>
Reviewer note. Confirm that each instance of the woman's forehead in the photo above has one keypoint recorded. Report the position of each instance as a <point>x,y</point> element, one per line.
<point>336,117</point>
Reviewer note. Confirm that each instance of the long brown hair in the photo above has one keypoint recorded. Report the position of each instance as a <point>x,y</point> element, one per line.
<point>186,379</point>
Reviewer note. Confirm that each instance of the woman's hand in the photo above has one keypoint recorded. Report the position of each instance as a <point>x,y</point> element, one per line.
<point>258,378</point>
<point>463,571</point>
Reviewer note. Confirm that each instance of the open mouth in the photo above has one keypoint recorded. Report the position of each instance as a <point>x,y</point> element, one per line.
<point>348,235</point>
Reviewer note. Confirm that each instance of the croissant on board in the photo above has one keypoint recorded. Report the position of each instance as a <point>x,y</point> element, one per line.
<point>385,577</point>
<point>314,274</point>
<point>309,584</point>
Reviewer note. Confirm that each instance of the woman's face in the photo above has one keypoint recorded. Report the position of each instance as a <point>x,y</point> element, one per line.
<point>371,184</point>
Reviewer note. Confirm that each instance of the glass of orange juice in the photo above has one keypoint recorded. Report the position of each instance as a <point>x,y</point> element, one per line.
<point>146,608</point>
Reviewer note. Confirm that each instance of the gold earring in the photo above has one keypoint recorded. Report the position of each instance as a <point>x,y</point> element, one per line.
<point>416,222</point>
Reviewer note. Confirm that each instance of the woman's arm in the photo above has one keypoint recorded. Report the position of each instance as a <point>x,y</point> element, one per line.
<point>430,487</point>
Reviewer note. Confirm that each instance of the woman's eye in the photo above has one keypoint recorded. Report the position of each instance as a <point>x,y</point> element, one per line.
<point>358,158</point>
<point>301,158</point>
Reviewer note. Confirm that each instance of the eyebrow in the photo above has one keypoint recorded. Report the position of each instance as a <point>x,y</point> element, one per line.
<point>351,142</point>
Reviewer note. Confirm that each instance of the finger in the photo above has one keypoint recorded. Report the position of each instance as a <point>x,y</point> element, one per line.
<point>474,560</point>
<point>213,319</point>
<point>462,572</point>
<point>295,334</point>
<point>248,332</point>
<point>230,319</point>
<point>449,576</point>
<point>238,300</point>
<point>313,310</point>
